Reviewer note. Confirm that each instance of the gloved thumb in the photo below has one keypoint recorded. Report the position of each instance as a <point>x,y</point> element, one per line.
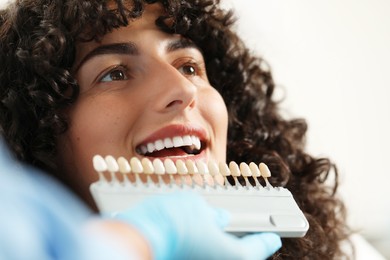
<point>261,245</point>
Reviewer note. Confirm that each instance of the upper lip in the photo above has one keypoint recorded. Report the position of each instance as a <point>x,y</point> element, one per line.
<point>192,135</point>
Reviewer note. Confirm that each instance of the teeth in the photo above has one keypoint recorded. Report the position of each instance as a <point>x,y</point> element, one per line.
<point>177,141</point>
<point>168,166</point>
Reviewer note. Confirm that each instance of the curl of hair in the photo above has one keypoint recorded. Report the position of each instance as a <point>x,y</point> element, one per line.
<point>37,50</point>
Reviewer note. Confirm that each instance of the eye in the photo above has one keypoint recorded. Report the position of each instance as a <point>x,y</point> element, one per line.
<point>116,74</point>
<point>189,69</point>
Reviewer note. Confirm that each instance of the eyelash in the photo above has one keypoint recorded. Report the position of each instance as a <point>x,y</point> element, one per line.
<point>119,68</point>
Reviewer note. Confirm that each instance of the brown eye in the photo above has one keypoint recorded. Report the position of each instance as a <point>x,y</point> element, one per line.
<point>114,75</point>
<point>188,69</point>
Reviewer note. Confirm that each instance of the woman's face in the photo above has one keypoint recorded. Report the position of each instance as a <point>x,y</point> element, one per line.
<point>140,88</point>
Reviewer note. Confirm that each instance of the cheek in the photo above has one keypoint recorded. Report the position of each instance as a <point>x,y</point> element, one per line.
<point>215,112</point>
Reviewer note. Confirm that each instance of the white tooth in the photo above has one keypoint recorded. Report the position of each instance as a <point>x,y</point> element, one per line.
<point>177,141</point>
<point>170,167</point>
<point>187,140</point>
<point>213,168</point>
<point>181,167</point>
<point>124,166</point>
<point>150,147</point>
<point>112,165</point>
<point>264,170</point>
<point>147,165</point>
<point>158,166</point>
<point>144,149</point>
<point>168,143</point>
<point>234,169</point>
<point>159,145</point>
<point>224,169</point>
<point>136,165</point>
<point>192,169</point>
<point>202,167</point>
<point>196,142</point>
<point>245,171</point>
<point>254,169</point>
<point>99,163</point>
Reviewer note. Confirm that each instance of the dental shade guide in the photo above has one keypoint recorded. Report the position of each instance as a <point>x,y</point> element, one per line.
<point>253,207</point>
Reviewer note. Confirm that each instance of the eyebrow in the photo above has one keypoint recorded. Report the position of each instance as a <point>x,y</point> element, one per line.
<point>130,48</point>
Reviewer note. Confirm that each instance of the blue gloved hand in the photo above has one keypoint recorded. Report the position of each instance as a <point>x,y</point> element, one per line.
<point>184,226</point>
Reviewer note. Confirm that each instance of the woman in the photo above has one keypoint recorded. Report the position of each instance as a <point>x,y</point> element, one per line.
<point>85,77</point>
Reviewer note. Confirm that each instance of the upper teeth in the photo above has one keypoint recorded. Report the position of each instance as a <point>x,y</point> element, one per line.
<point>177,141</point>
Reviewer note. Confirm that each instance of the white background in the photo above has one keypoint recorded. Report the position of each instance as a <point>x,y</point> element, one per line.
<point>333,60</point>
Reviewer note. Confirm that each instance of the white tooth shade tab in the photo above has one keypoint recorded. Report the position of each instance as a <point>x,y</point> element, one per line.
<point>112,165</point>
<point>170,167</point>
<point>181,167</point>
<point>234,169</point>
<point>202,167</point>
<point>124,166</point>
<point>254,169</point>
<point>147,165</point>
<point>264,170</point>
<point>213,168</point>
<point>158,166</point>
<point>192,169</point>
<point>99,164</point>
<point>224,169</point>
<point>245,171</point>
<point>136,165</point>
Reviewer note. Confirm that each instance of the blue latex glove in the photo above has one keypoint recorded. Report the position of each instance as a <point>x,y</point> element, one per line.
<point>41,219</point>
<point>184,226</point>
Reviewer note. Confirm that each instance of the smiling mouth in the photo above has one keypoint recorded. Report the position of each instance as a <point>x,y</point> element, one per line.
<point>186,145</point>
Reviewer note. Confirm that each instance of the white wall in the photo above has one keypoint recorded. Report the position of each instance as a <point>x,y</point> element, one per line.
<point>333,60</point>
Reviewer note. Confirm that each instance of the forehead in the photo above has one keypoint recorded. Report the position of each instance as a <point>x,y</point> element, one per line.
<point>135,29</point>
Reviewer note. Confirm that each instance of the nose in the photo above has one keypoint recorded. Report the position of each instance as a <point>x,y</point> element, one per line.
<point>173,90</point>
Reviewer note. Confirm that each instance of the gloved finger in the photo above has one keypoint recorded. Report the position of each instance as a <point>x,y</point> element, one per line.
<point>260,245</point>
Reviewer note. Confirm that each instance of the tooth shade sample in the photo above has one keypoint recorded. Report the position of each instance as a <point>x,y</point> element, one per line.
<point>112,165</point>
<point>192,169</point>
<point>264,170</point>
<point>213,168</point>
<point>202,167</point>
<point>158,166</point>
<point>245,171</point>
<point>234,169</point>
<point>254,169</point>
<point>147,165</point>
<point>124,166</point>
<point>224,169</point>
<point>170,167</point>
<point>181,167</point>
<point>99,164</point>
<point>136,165</point>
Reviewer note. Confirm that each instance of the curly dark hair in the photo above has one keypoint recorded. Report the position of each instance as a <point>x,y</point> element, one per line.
<point>37,51</point>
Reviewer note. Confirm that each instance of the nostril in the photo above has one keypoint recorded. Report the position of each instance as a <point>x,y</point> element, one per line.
<point>175,102</point>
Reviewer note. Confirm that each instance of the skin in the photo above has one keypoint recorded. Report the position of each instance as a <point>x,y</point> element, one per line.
<point>154,86</point>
